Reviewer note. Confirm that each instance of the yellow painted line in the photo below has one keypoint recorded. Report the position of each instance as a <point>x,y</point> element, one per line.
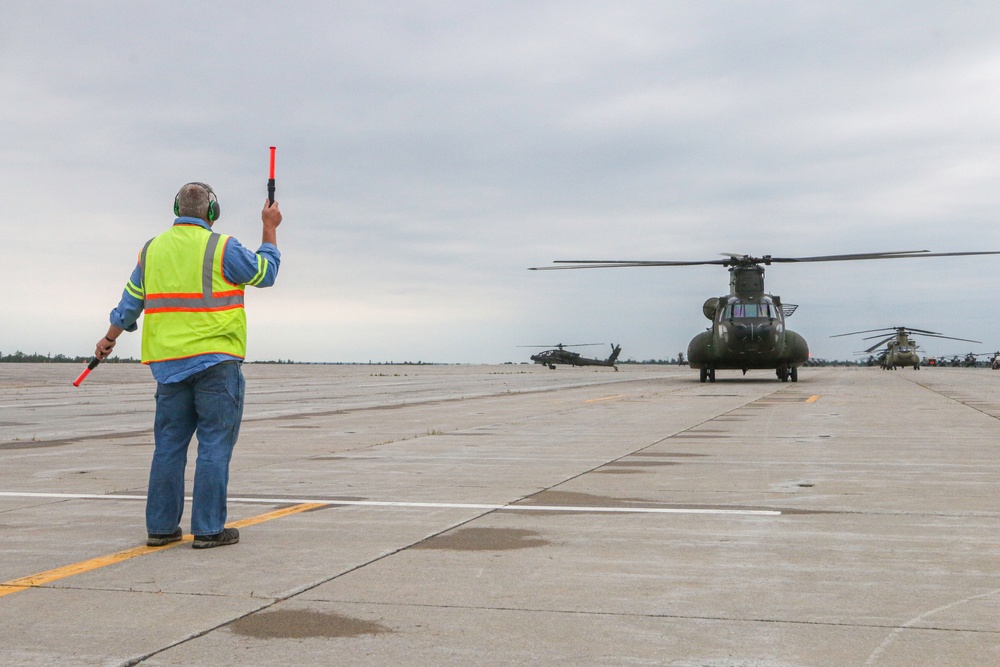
<point>276,514</point>
<point>42,578</point>
<point>812,399</point>
<point>605,398</point>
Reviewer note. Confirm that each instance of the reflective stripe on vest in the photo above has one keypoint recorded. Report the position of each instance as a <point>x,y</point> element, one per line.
<point>180,321</point>
<point>207,300</point>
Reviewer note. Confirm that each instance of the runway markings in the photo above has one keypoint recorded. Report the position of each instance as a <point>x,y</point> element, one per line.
<point>604,398</point>
<point>812,399</point>
<point>303,505</point>
<point>311,503</point>
<point>42,578</point>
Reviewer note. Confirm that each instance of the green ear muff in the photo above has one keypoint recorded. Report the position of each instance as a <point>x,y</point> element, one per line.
<point>213,209</point>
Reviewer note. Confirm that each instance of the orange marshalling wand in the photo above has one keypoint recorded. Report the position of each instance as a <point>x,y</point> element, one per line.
<point>270,180</point>
<point>91,366</point>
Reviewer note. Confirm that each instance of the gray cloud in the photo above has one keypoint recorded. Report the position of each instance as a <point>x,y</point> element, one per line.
<point>430,152</point>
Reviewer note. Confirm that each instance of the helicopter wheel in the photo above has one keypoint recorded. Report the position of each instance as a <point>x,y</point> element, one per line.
<point>793,373</point>
<point>782,374</point>
<point>916,367</point>
<point>703,374</point>
<point>711,375</point>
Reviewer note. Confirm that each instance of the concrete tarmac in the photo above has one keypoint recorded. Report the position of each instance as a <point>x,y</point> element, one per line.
<point>513,515</point>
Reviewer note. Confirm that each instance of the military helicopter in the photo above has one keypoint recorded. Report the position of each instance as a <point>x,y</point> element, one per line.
<point>748,326</point>
<point>971,359</point>
<point>560,355</point>
<point>900,350</point>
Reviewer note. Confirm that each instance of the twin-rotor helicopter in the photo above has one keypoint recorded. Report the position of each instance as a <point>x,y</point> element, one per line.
<point>900,350</point>
<point>748,325</point>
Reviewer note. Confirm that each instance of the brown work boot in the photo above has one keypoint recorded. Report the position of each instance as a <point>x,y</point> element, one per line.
<point>227,536</point>
<point>160,540</point>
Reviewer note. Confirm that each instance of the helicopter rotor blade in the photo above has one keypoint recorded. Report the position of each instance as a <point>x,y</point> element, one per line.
<point>854,333</point>
<point>967,340</point>
<point>898,330</point>
<point>747,260</point>
<point>854,256</point>
<point>921,331</point>
<point>896,254</point>
<point>894,335</point>
<point>880,344</point>
<point>614,264</point>
<point>562,345</point>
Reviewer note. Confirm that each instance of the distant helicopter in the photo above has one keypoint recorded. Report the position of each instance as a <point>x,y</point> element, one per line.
<point>748,326</point>
<point>900,350</point>
<point>971,359</point>
<point>559,355</point>
<point>968,360</point>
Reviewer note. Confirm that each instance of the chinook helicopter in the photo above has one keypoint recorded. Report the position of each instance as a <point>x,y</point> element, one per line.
<point>559,355</point>
<point>900,349</point>
<point>748,326</point>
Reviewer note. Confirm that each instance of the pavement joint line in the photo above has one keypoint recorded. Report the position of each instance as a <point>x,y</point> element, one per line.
<point>425,505</point>
<point>49,576</point>
<point>604,398</point>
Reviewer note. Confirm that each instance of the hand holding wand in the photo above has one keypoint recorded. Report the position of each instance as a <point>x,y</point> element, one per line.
<point>102,350</point>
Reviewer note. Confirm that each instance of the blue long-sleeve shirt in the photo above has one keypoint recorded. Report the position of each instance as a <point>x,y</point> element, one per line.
<point>240,266</point>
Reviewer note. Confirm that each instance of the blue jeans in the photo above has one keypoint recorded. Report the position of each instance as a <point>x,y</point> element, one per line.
<point>210,403</point>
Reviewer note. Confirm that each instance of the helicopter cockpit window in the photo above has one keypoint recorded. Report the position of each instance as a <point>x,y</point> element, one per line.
<point>750,310</point>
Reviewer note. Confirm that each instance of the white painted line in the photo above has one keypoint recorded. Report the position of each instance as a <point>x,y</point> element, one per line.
<point>68,496</point>
<point>386,503</point>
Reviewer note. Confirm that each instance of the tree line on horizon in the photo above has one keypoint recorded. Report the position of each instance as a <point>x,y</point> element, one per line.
<point>21,357</point>
<point>35,358</point>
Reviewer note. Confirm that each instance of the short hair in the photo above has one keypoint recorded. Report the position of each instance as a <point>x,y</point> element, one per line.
<point>193,200</point>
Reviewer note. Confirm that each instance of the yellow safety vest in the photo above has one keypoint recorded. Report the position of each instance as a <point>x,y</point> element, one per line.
<point>190,308</point>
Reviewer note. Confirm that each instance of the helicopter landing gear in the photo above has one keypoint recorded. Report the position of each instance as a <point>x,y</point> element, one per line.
<point>786,373</point>
<point>707,374</point>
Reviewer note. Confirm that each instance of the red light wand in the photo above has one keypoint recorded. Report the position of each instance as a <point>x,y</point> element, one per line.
<point>270,180</point>
<point>91,366</point>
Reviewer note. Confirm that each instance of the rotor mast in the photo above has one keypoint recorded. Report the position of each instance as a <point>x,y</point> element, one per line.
<point>746,281</point>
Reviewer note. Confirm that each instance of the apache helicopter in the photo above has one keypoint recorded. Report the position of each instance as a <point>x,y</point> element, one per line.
<point>562,356</point>
<point>748,326</point>
<point>900,348</point>
<point>971,359</point>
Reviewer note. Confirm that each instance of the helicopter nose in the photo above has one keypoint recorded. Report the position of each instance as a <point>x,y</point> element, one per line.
<point>752,333</point>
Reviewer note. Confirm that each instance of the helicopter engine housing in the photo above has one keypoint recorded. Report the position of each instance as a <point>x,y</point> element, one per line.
<point>710,307</point>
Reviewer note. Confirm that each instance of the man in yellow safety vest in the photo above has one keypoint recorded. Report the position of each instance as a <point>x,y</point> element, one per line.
<point>188,284</point>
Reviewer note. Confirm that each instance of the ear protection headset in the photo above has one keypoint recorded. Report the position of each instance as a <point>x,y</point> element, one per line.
<point>213,212</point>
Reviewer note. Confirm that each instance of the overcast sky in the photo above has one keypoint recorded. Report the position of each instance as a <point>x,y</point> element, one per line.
<point>428,153</point>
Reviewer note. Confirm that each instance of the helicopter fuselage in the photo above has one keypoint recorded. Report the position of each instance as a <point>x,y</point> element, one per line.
<point>902,353</point>
<point>747,333</point>
<point>560,356</point>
